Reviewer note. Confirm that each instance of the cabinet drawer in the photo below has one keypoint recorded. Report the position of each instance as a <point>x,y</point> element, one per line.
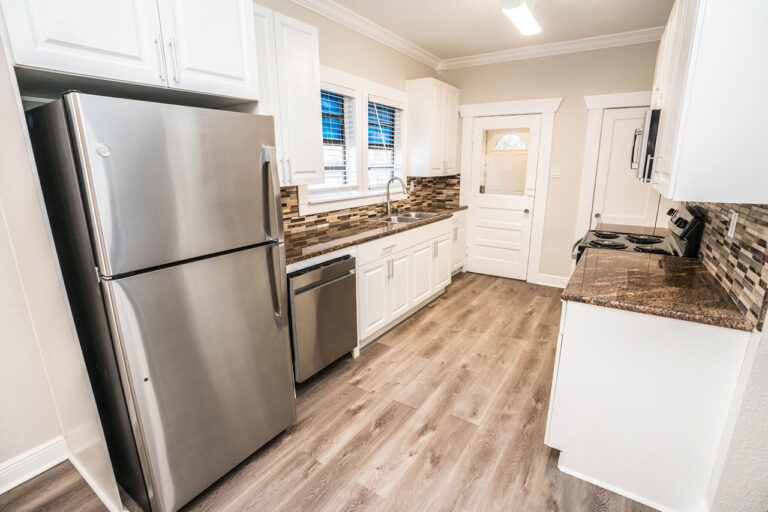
<point>391,244</point>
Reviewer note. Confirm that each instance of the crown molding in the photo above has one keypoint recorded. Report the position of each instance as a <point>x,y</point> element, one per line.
<point>647,35</point>
<point>363,25</point>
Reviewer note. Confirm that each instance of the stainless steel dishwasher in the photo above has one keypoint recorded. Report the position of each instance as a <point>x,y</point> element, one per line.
<point>323,302</point>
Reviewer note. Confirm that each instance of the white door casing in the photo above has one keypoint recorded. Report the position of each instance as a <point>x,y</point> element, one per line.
<point>499,225</point>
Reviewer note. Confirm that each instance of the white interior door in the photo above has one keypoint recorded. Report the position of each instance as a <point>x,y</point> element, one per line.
<point>505,152</point>
<point>620,198</point>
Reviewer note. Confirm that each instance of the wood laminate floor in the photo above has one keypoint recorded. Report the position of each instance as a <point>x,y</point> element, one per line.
<point>60,489</point>
<point>446,412</point>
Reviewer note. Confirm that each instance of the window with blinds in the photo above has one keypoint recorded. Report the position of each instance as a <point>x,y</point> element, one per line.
<point>339,149</point>
<point>385,141</point>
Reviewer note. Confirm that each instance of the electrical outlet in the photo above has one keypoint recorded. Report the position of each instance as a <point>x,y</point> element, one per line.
<point>732,225</point>
<point>555,172</point>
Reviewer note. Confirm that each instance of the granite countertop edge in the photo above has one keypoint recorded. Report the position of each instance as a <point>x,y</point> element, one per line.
<point>444,213</point>
<point>739,325</point>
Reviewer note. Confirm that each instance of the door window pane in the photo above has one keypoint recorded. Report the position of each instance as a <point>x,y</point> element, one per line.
<point>505,161</point>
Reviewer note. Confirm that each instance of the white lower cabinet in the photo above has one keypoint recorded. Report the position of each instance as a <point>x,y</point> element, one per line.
<point>443,261</point>
<point>372,282</point>
<point>642,401</point>
<point>399,273</point>
<point>459,246</point>
<point>399,292</point>
<point>423,270</point>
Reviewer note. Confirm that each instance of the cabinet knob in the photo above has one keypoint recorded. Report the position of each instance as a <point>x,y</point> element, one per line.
<point>597,215</point>
<point>526,211</point>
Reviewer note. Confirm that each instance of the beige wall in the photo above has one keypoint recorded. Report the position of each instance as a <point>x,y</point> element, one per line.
<point>36,322</point>
<point>343,48</point>
<point>27,415</point>
<point>624,69</point>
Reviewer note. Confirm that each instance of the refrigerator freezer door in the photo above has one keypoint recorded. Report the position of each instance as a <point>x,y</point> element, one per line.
<point>166,183</point>
<point>209,366</point>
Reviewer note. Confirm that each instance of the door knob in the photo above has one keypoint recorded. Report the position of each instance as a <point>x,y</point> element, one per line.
<point>526,211</point>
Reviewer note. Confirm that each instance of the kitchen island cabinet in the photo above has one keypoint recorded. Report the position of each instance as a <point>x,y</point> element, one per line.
<point>642,387</point>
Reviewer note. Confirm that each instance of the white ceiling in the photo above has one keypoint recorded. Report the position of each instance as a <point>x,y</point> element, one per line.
<point>458,28</point>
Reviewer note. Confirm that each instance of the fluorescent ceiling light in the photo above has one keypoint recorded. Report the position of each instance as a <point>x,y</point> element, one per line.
<point>521,16</point>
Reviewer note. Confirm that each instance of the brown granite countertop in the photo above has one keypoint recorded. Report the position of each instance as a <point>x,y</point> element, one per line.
<point>654,284</point>
<point>308,244</point>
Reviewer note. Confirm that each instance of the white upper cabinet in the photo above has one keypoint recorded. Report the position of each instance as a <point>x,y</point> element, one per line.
<point>210,47</point>
<point>120,40</point>
<point>433,118</point>
<point>194,45</point>
<point>298,76</point>
<point>710,88</point>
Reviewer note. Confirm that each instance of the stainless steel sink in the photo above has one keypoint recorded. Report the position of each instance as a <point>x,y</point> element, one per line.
<point>408,217</point>
<point>419,215</point>
<point>399,219</point>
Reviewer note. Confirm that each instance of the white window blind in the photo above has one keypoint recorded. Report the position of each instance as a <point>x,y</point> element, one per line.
<point>385,144</point>
<point>339,145</point>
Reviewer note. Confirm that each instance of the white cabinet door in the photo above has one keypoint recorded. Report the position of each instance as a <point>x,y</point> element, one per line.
<point>372,297</point>
<point>423,270</point>
<point>266,55</point>
<point>443,262</point>
<point>210,47</point>
<point>451,127</point>
<point>298,74</point>
<point>438,131</point>
<point>119,40</point>
<point>399,284</point>
<point>459,247</point>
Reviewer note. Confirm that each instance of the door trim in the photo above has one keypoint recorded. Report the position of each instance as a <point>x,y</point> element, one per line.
<point>596,105</point>
<point>547,108</point>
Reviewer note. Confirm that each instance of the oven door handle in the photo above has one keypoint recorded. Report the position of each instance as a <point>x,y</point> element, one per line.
<point>635,164</point>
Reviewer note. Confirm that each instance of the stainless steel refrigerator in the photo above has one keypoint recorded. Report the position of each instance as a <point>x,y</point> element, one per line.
<point>167,224</point>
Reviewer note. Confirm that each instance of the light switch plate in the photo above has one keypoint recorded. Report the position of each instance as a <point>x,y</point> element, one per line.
<point>555,172</point>
<point>732,225</point>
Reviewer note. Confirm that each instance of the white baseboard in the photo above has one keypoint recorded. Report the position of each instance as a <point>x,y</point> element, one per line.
<point>98,491</point>
<point>32,462</point>
<point>548,280</point>
<point>611,488</point>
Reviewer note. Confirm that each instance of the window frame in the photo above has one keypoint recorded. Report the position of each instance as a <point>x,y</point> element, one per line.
<point>347,93</point>
<point>362,91</point>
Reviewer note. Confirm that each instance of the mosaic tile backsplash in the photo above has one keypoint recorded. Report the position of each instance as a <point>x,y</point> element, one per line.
<point>740,263</point>
<point>428,193</point>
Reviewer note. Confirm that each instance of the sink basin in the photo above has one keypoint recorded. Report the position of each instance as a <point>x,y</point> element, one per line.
<point>400,219</point>
<point>419,215</point>
<point>408,217</point>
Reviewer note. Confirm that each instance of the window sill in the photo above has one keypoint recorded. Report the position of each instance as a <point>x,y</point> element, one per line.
<point>310,204</point>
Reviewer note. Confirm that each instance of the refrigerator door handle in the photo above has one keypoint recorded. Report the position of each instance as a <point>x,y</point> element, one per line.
<point>278,282</point>
<point>275,221</point>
